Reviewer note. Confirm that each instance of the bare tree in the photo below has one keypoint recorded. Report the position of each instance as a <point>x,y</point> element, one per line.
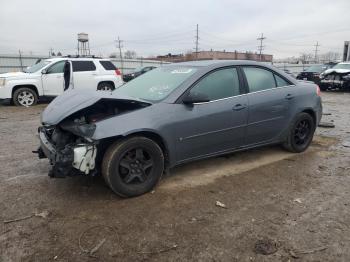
<point>113,55</point>
<point>329,57</point>
<point>306,57</point>
<point>129,54</point>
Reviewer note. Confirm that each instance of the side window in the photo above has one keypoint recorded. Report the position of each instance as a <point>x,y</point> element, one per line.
<point>259,79</point>
<point>219,84</point>
<point>281,82</point>
<point>81,66</point>
<point>56,68</point>
<point>108,65</point>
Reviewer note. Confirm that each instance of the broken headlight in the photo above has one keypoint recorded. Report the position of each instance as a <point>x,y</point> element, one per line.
<point>82,130</point>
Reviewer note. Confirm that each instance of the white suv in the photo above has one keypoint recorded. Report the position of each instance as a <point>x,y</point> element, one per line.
<point>50,77</point>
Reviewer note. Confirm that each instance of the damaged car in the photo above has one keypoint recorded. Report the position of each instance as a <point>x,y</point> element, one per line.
<point>313,72</point>
<point>337,77</point>
<point>173,115</point>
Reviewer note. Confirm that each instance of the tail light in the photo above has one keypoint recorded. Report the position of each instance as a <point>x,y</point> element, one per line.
<point>318,91</point>
<point>117,72</point>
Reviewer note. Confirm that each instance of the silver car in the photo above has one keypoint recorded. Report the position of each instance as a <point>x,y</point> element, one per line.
<point>175,114</point>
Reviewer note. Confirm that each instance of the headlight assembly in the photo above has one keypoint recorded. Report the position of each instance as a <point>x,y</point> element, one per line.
<point>2,81</point>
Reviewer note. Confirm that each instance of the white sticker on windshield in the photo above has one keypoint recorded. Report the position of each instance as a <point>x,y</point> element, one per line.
<point>182,71</point>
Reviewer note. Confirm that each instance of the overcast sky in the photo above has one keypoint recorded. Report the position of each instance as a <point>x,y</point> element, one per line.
<point>152,27</point>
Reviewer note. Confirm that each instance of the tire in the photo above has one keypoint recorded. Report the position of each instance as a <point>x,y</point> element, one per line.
<point>25,97</point>
<point>300,133</point>
<point>105,86</point>
<point>133,166</point>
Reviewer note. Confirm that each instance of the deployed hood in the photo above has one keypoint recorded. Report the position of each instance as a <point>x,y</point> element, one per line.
<point>71,101</point>
<point>338,71</point>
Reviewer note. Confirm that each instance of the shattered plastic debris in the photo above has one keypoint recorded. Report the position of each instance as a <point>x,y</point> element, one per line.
<point>298,200</point>
<point>219,204</point>
<point>346,143</point>
<point>326,124</point>
<point>43,214</point>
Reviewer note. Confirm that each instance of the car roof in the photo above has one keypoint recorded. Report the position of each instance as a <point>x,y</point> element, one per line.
<point>218,63</point>
<point>53,59</point>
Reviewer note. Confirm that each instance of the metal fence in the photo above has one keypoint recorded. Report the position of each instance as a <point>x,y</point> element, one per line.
<point>17,62</point>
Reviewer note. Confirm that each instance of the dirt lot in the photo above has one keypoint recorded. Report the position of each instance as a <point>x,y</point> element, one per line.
<point>294,206</point>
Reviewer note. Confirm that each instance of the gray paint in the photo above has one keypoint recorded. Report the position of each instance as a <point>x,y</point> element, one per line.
<point>205,129</point>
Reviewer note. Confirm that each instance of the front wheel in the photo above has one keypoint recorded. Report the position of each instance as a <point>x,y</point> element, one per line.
<point>133,166</point>
<point>300,133</point>
<point>25,97</point>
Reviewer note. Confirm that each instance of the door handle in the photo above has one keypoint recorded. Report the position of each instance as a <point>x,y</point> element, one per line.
<point>239,107</point>
<point>289,97</point>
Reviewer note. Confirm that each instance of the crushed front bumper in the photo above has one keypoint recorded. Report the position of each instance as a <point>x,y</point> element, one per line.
<point>68,160</point>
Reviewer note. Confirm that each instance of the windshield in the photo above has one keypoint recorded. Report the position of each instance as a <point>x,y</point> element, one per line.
<point>157,84</point>
<point>341,66</point>
<point>37,66</point>
<point>316,68</point>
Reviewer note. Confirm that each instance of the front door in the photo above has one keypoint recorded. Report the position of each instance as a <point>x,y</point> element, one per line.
<point>52,80</point>
<point>215,126</point>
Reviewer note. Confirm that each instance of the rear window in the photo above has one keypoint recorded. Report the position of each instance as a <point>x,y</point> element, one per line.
<point>108,65</point>
<point>80,66</point>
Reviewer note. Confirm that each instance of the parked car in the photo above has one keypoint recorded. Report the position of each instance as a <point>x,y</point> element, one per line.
<point>176,114</point>
<point>46,79</point>
<point>287,71</point>
<point>313,72</point>
<point>337,77</point>
<point>137,72</point>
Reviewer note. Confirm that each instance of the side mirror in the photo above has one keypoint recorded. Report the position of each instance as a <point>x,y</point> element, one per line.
<point>44,71</point>
<point>193,98</point>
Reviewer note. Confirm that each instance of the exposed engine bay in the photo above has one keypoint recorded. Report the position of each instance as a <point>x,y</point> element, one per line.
<point>335,79</point>
<point>69,144</point>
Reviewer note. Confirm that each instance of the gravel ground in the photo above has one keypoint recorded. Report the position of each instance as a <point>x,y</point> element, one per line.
<point>278,206</point>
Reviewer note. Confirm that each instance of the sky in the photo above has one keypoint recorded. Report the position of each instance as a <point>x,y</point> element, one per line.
<point>158,27</point>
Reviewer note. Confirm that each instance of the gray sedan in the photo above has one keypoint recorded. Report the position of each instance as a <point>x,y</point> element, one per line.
<point>175,114</point>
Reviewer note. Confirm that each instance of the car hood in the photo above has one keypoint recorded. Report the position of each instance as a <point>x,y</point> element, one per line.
<point>339,71</point>
<point>74,100</point>
<point>14,75</point>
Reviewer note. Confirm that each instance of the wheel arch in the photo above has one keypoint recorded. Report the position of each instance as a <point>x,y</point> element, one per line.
<point>312,113</point>
<point>106,82</point>
<point>32,87</point>
<point>154,136</point>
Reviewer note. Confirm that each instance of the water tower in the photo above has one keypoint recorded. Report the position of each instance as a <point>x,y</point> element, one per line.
<point>83,44</point>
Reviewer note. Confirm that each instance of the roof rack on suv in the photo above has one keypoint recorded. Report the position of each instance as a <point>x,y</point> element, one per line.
<point>85,56</point>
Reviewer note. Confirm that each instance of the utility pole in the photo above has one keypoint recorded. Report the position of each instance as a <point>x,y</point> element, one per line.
<point>316,51</point>
<point>197,42</point>
<point>119,46</point>
<point>20,59</point>
<point>261,47</point>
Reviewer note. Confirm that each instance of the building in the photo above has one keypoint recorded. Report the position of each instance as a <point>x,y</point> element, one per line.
<point>217,55</point>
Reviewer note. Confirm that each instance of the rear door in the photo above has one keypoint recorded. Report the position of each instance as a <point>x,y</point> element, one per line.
<point>215,126</point>
<point>269,99</point>
<point>52,80</point>
<point>84,74</point>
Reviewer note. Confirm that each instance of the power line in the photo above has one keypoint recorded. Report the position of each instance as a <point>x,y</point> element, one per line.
<point>197,42</point>
<point>261,47</point>
<point>119,46</point>
<point>316,51</point>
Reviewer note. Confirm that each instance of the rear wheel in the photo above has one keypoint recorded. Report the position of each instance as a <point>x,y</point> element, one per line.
<point>104,86</point>
<point>133,166</point>
<point>300,134</point>
<point>25,97</point>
